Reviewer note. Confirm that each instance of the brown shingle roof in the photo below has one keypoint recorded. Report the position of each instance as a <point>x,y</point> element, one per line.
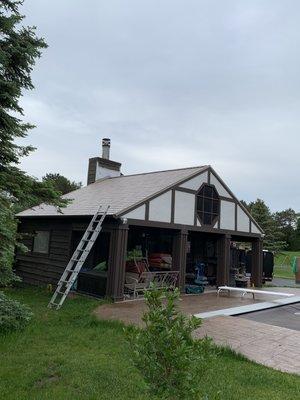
<point>120,193</point>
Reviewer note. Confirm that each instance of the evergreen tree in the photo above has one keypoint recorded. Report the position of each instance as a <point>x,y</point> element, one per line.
<point>61,183</point>
<point>287,222</point>
<point>19,49</point>
<point>274,237</point>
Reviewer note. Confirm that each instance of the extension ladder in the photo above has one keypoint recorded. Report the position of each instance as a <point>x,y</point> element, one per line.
<point>77,260</point>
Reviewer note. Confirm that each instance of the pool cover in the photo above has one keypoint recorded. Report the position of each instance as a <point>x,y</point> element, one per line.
<point>286,316</point>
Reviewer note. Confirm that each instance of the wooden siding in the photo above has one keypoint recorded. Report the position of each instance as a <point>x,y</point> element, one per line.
<point>41,269</point>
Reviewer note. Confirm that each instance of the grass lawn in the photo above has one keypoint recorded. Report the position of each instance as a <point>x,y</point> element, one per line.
<point>68,354</point>
<point>282,268</point>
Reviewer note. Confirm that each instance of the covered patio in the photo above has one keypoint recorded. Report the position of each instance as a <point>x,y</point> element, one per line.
<point>185,247</point>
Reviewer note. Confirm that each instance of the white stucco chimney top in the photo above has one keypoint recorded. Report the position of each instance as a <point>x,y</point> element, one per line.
<point>105,148</point>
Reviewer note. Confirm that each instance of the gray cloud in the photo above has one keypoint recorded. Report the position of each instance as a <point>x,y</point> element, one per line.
<point>173,83</point>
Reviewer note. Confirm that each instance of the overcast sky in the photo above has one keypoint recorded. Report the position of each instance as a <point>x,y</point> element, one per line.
<point>173,84</point>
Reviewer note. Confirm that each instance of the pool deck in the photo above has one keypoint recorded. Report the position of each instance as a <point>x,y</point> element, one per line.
<point>274,346</point>
<point>130,312</point>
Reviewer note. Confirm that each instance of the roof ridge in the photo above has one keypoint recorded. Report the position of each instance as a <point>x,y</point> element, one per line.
<point>152,172</point>
<point>67,195</point>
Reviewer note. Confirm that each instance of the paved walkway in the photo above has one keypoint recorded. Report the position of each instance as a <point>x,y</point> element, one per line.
<point>272,346</point>
<point>283,282</point>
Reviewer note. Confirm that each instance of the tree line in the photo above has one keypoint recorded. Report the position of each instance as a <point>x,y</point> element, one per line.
<point>281,228</point>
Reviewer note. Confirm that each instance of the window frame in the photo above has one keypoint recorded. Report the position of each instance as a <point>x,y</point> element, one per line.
<point>214,216</point>
<point>49,241</point>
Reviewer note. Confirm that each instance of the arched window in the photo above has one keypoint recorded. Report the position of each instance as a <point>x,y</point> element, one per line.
<point>208,205</point>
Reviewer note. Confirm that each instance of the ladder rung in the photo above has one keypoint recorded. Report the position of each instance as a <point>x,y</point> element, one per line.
<point>70,282</point>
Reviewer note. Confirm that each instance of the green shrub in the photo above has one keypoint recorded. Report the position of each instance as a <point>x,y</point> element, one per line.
<point>13,315</point>
<point>164,351</point>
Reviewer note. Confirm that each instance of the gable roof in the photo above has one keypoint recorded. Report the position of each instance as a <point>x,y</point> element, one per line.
<point>121,193</point>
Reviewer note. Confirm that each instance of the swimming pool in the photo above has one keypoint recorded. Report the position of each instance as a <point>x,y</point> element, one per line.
<point>286,316</point>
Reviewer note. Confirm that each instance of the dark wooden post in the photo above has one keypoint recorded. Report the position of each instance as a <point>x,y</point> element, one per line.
<point>223,263</point>
<point>179,256</point>
<point>116,262</point>
<point>257,262</point>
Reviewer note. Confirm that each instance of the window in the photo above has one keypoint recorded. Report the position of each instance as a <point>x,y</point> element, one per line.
<point>41,242</point>
<point>208,205</point>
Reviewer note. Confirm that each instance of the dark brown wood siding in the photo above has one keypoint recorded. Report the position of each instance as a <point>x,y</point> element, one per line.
<point>41,269</point>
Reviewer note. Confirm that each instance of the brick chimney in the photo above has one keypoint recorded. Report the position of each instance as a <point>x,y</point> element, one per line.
<point>103,167</point>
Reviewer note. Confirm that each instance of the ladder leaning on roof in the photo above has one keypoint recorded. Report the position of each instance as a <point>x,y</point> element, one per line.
<point>77,260</point>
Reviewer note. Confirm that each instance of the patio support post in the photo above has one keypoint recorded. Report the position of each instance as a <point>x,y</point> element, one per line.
<point>179,256</point>
<point>257,262</point>
<point>116,262</point>
<point>223,263</point>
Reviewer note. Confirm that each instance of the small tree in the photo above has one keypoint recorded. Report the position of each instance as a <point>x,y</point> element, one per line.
<point>164,351</point>
<point>13,315</point>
